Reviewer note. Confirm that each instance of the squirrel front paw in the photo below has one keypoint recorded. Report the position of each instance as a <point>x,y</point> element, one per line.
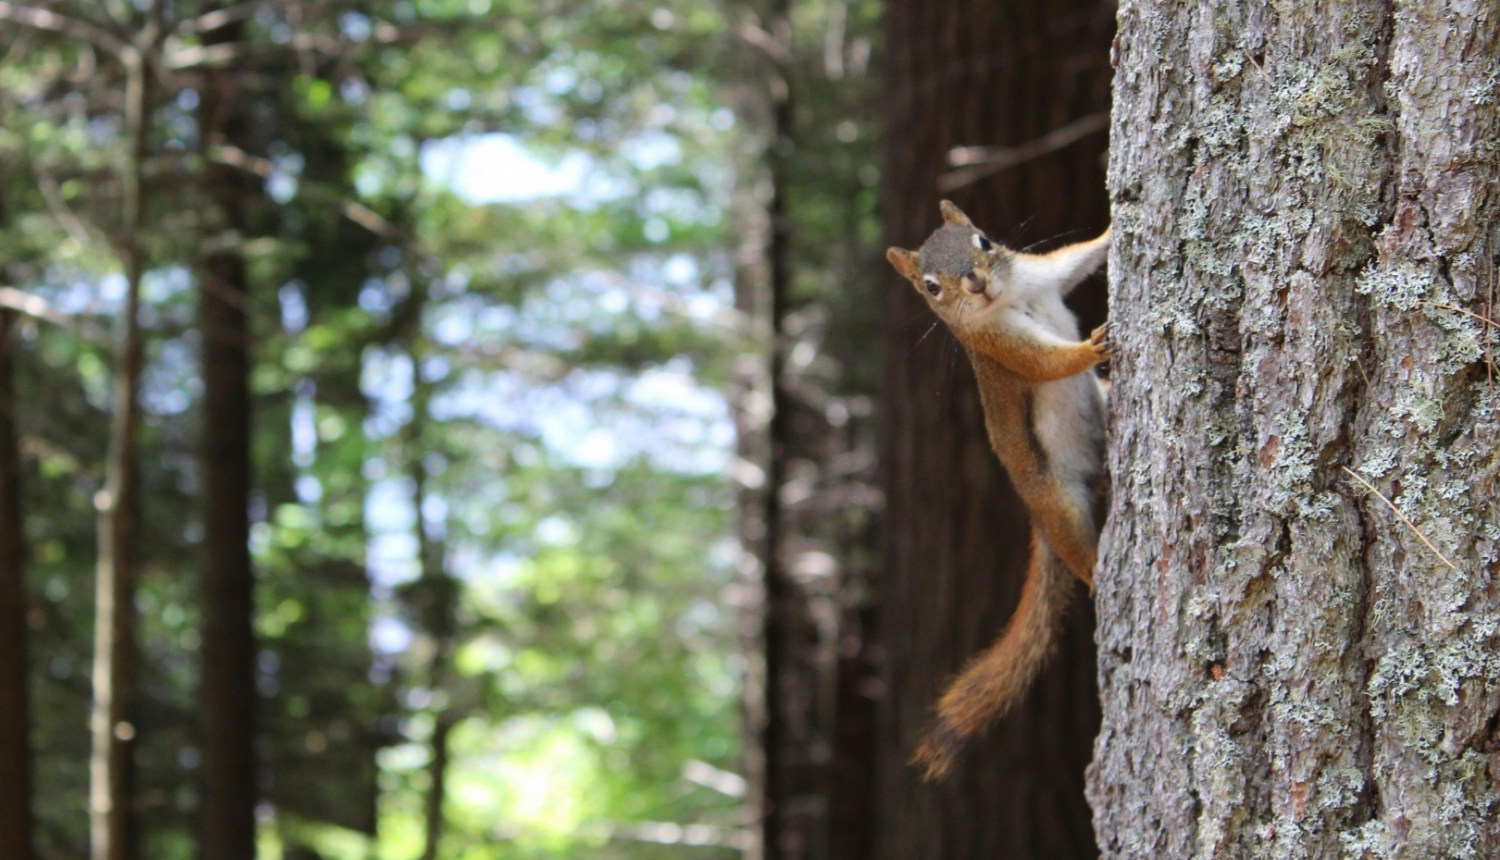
<point>1100,342</point>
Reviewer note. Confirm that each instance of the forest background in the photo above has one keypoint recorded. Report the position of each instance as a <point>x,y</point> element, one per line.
<point>450,425</point>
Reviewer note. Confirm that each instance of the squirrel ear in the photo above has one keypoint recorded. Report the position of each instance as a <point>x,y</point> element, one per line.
<point>905,262</point>
<point>954,215</point>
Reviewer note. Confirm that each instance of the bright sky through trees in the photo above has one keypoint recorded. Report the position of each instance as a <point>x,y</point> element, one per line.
<point>496,168</point>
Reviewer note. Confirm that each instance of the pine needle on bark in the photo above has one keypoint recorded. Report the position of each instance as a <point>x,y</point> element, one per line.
<point>1409,524</point>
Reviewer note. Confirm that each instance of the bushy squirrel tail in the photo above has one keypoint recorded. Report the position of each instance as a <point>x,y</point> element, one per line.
<point>997,679</point>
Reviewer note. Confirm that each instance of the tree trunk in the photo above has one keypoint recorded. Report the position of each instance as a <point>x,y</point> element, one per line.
<point>790,830</point>
<point>227,723</point>
<point>436,792</point>
<point>805,281</point>
<point>15,720</point>
<point>113,735</point>
<point>749,399</point>
<point>433,598</point>
<point>962,73</point>
<point>1305,203</point>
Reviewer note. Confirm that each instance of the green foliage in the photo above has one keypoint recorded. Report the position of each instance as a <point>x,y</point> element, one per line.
<point>488,437</point>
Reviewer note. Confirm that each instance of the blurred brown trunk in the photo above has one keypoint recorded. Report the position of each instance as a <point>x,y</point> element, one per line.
<point>227,719</point>
<point>434,599</point>
<point>805,469</point>
<point>971,73</point>
<point>788,769</point>
<point>748,398</point>
<point>15,721</point>
<point>113,735</point>
<point>436,792</point>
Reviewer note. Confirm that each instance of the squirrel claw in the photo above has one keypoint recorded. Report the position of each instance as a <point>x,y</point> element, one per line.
<point>1100,340</point>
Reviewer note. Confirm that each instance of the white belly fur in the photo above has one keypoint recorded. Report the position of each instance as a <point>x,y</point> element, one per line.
<point>1066,410</point>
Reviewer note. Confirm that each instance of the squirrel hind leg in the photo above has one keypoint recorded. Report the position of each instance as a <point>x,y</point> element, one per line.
<point>1066,522</point>
<point>998,678</point>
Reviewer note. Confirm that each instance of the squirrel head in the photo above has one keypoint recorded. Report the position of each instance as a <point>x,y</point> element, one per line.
<point>958,270</point>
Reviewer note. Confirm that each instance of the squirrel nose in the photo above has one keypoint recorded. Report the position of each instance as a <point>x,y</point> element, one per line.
<point>978,283</point>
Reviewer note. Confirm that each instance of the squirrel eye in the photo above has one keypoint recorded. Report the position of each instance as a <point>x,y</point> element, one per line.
<point>982,243</point>
<point>933,286</point>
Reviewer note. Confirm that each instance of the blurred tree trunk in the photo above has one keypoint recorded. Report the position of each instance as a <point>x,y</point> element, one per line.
<point>113,741</point>
<point>790,772</point>
<point>759,467</point>
<point>750,404</point>
<point>969,73</point>
<point>817,503</point>
<point>1305,205</point>
<point>227,722</point>
<point>15,718</point>
<point>436,793</point>
<point>432,598</point>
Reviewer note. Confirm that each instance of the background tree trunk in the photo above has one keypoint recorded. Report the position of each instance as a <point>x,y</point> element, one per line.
<point>1287,668</point>
<point>791,774</point>
<point>227,721</point>
<point>437,770</point>
<point>810,515</point>
<point>15,718</point>
<point>433,598</point>
<point>113,733</point>
<point>963,73</point>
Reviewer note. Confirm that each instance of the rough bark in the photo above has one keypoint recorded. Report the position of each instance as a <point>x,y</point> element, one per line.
<point>227,723</point>
<point>15,717</point>
<point>963,73</point>
<point>1287,669</point>
<point>113,734</point>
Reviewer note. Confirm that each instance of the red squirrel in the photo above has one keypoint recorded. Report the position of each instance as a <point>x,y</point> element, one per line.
<point>1044,411</point>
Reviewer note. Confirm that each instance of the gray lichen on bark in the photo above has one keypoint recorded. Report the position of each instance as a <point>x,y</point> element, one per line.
<point>1287,670</point>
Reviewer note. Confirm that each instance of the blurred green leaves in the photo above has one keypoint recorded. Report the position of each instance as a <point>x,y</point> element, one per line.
<point>554,364</point>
